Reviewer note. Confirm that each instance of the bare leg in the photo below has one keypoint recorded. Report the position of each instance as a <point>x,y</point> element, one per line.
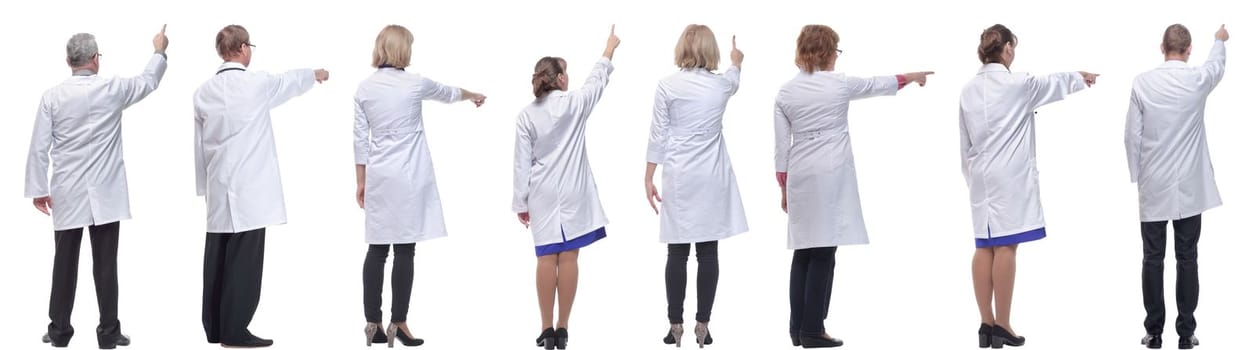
<point>981,272</point>
<point>567,284</point>
<point>546,288</point>
<point>1003,269</point>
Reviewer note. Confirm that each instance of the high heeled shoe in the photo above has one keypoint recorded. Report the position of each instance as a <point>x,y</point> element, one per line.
<point>985,338</point>
<point>547,339</point>
<point>394,332</point>
<point>1000,337</point>
<point>674,336</point>
<point>375,334</point>
<point>702,335</point>
<point>562,336</point>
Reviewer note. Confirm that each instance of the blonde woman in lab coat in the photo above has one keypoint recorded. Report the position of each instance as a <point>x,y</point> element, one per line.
<point>1168,155</point>
<point>997,132</point>
<point>395,176</point>
<point>814,163</point>
<point>554,193</point>
<point>702,200</point>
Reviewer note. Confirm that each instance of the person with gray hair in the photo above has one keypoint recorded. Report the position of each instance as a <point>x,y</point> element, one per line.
<point>1168,156</point>
<point>78,128</point>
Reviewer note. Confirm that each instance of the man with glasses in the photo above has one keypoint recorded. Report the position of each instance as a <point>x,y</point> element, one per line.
<point>78,128</point>
<point>237,173</point>
<point>1168,155</point>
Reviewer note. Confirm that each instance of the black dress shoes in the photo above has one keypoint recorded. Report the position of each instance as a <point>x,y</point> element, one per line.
<point>1189,342</point>
<point>251,342</point>
<point>1001,337</point>
<point>1152,341</point>
<point>985,335</point>
<point>114,341</point>
<point>808,342</point>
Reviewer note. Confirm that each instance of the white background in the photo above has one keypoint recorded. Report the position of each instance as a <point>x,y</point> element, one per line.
<point>909,289</point>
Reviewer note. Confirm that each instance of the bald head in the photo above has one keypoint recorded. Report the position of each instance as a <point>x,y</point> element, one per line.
<point>1177,40</point>
<point>231,41</point>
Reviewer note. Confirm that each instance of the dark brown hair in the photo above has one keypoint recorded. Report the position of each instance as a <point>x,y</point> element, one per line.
<point>1177,39</point>
<point>815,47</point>
<point>231,39</point>
<point>545,78</point>
<point>993,41</point>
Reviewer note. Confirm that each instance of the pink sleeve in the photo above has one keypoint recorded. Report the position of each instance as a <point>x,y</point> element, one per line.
<point>901,81</point>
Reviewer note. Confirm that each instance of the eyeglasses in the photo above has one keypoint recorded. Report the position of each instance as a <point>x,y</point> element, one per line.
<point>249,44</point>
<point>839,52</point>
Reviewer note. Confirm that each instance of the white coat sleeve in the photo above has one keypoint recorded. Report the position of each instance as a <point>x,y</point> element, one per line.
<point>360,134</point>
<point>594,87</point>
<point>201,165</point>
<point>432,90</point>
<point>1132,138</point>
<point>1046,89</point>
<point>1215,66</point>
<point>859,88</point>
<point>37,160</point>
<point>134,89</point>
<point>782,139</point>
<point>284,87</point>
<point>732,75</point>
<point>522,162</point>
<point>659,133</point>
<point>966,144</point>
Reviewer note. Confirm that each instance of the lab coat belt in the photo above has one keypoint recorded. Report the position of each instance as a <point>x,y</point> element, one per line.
<point>692,132</point>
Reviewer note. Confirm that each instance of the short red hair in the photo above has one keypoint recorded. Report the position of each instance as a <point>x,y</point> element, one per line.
<point>815,47</point>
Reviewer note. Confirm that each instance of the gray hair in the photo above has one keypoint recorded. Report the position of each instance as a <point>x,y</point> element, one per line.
<point>80,49</point>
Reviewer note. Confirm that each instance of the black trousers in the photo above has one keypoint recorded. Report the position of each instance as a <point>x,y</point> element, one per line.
<point>706,279</point>
<point>402,281</point>
<point>1187,233</point>
<point>232,284</point>
<point>813,275</point>
<point>104,240</point>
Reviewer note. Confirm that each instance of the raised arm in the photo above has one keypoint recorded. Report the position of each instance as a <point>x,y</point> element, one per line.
<point>1132,138</point>
<point>1046,89</point>
<point>283,87</point>
<point>596,82</point>
<point>732,74</point>
<point>1216,65</point>
<point>134,89</point>
<point>432,90</point>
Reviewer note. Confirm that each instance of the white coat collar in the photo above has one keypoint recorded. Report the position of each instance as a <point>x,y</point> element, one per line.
<point>231,66</point>
<point>1174,64</point>
<point>993,67</point>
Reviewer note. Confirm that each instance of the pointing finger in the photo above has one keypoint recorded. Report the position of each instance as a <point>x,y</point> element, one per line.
<point>163,29</point>
<point>611,28</point>
<point>733,42</point>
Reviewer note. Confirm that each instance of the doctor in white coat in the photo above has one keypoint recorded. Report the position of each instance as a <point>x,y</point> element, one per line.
<point>78,131</point>
<point>997,132</point>
<point>395,176</point>
<point>702,199</point>
<point>237,173</point>
<point>814,164</point>
<point>554,193</point>
<point>1168,156</point>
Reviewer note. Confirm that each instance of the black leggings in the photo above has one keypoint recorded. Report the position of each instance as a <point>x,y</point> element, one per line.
<point>402,281</point>
<point>706,279</point>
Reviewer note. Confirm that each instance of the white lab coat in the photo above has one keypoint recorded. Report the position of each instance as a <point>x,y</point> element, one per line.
<point>401,201</point>
<point>552,178</point>
<point>700,197</point>
<point>236,161</point>
<point>997,131</point>
<point>1167,151</point>
<point>812,146</point>
<point>79,123</point>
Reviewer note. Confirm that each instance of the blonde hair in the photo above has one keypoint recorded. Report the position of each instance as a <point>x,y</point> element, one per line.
<point>697,48</point>
<point>393,47</point>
